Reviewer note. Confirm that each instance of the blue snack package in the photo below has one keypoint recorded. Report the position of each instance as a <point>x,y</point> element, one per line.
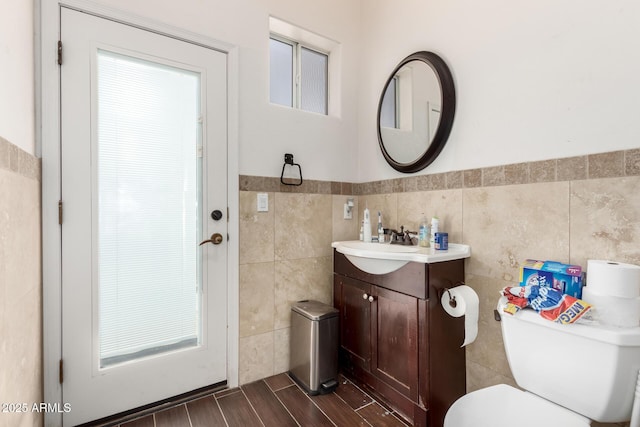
<point>553,274</point>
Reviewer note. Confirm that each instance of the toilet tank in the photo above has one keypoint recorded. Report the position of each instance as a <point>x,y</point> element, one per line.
<point>589,369</point>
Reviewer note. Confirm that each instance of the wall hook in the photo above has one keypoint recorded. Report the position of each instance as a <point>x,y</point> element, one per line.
<point>288,160</point>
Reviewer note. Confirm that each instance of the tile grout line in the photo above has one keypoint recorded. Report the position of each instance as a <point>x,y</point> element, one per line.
<point>314,403</point>
<point>373,400</point>
<point>252,407</point>
<point>224,418</point>
<point>186,408</point>
<point>361,391</point>
<point>353,409</point>
<point>282,403</point>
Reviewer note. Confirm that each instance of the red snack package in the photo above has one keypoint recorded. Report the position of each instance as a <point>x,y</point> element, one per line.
<point>550,303</point>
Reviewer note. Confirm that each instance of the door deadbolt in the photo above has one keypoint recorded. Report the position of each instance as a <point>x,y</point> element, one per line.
<point>216,215</point>
<point>216,239</point>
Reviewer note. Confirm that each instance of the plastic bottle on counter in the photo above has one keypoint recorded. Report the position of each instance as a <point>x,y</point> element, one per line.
<point>423,232</point>
<point>361,231</point>
<point>434,229</point>
<point>366,223</point>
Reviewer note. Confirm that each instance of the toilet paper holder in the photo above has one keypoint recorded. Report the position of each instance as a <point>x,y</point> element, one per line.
<point>452,299</point>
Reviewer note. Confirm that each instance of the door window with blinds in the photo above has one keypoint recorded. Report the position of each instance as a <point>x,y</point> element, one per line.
<point>149,208</point>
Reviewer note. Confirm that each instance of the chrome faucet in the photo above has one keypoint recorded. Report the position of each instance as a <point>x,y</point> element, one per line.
<point>403,237</point>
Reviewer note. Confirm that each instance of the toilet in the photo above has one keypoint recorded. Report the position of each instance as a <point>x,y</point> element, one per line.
<point>572,374</point>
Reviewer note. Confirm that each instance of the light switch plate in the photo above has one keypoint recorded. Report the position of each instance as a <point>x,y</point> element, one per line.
<point>263,202</point>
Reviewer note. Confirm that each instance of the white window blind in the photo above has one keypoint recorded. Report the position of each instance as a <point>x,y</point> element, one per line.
<point>281,73</point>
<point>313,81</point>
<point>149,202</point>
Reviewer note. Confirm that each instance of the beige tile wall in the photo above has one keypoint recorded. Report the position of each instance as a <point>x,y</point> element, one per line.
<point>285,256</point>
<point>567,210</point>
<point>20,285</point>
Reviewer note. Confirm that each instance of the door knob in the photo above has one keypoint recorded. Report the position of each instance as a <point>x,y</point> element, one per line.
<point>216,239</point>
<point>365,296</point>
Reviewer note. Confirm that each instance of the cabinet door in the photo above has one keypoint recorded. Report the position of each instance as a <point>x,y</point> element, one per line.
<point>394,328</point>
<point>355,322</point>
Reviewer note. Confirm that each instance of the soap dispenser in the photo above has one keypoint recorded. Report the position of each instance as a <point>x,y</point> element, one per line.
<point>380,228</point>
<point>366,224</point>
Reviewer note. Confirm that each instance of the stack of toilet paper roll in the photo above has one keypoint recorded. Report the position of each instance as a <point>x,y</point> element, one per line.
<point>613,288</point>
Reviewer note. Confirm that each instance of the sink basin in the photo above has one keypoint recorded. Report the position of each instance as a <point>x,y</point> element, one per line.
<point>383,258</point>
<point>376,247</point>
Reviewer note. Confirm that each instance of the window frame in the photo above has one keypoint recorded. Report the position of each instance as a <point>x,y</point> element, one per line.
<point>296,65</point>
<point>395,102</point>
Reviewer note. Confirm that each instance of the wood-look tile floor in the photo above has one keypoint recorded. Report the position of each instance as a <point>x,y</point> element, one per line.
<point>275,402</point>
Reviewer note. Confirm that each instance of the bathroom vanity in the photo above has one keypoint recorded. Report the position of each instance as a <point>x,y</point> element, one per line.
<point>396,340</point>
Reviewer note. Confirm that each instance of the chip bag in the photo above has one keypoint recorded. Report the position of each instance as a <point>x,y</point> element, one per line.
<point>550,303</point>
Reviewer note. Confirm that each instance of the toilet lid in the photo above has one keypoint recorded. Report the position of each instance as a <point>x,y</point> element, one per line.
<point>505,406</point>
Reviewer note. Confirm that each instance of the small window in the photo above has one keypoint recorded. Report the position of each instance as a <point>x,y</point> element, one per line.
<point>298,75</point>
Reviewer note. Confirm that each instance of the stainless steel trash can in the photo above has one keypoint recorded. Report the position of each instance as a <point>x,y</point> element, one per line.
<point>314,346</point>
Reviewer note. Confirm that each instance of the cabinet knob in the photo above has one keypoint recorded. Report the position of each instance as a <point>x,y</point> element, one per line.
<point>365,296</point>
<point>371,299</point>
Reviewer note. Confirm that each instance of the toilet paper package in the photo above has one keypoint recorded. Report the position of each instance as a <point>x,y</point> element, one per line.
<point>613,311</point>
<point>613,278</point>
<point>613,288</point>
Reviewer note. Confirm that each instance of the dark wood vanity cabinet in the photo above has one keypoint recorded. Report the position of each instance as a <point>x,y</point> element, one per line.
<point>397,342</point>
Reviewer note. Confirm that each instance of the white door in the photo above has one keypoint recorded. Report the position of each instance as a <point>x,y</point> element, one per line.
<point>144,158</point>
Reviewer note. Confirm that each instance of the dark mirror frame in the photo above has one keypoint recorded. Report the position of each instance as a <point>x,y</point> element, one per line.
<point>448,109</point>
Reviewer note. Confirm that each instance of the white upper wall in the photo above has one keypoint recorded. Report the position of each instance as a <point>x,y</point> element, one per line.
<point>324,146</point>
<point>534,80</point>
<point>16,74</point>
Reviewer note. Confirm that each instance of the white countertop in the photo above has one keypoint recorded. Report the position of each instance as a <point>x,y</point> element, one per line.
<point>382,258</point>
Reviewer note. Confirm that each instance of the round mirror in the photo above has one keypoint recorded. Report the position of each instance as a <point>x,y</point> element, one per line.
<point>415,113</point>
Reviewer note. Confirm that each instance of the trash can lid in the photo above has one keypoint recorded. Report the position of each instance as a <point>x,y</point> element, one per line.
<point>314,310</point>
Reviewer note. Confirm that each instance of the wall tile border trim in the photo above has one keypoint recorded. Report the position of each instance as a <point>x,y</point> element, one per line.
<point>14,159</point>
<point>602,165</point>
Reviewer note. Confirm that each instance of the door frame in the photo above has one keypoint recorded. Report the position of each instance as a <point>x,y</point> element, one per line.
<point>48,134</point>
